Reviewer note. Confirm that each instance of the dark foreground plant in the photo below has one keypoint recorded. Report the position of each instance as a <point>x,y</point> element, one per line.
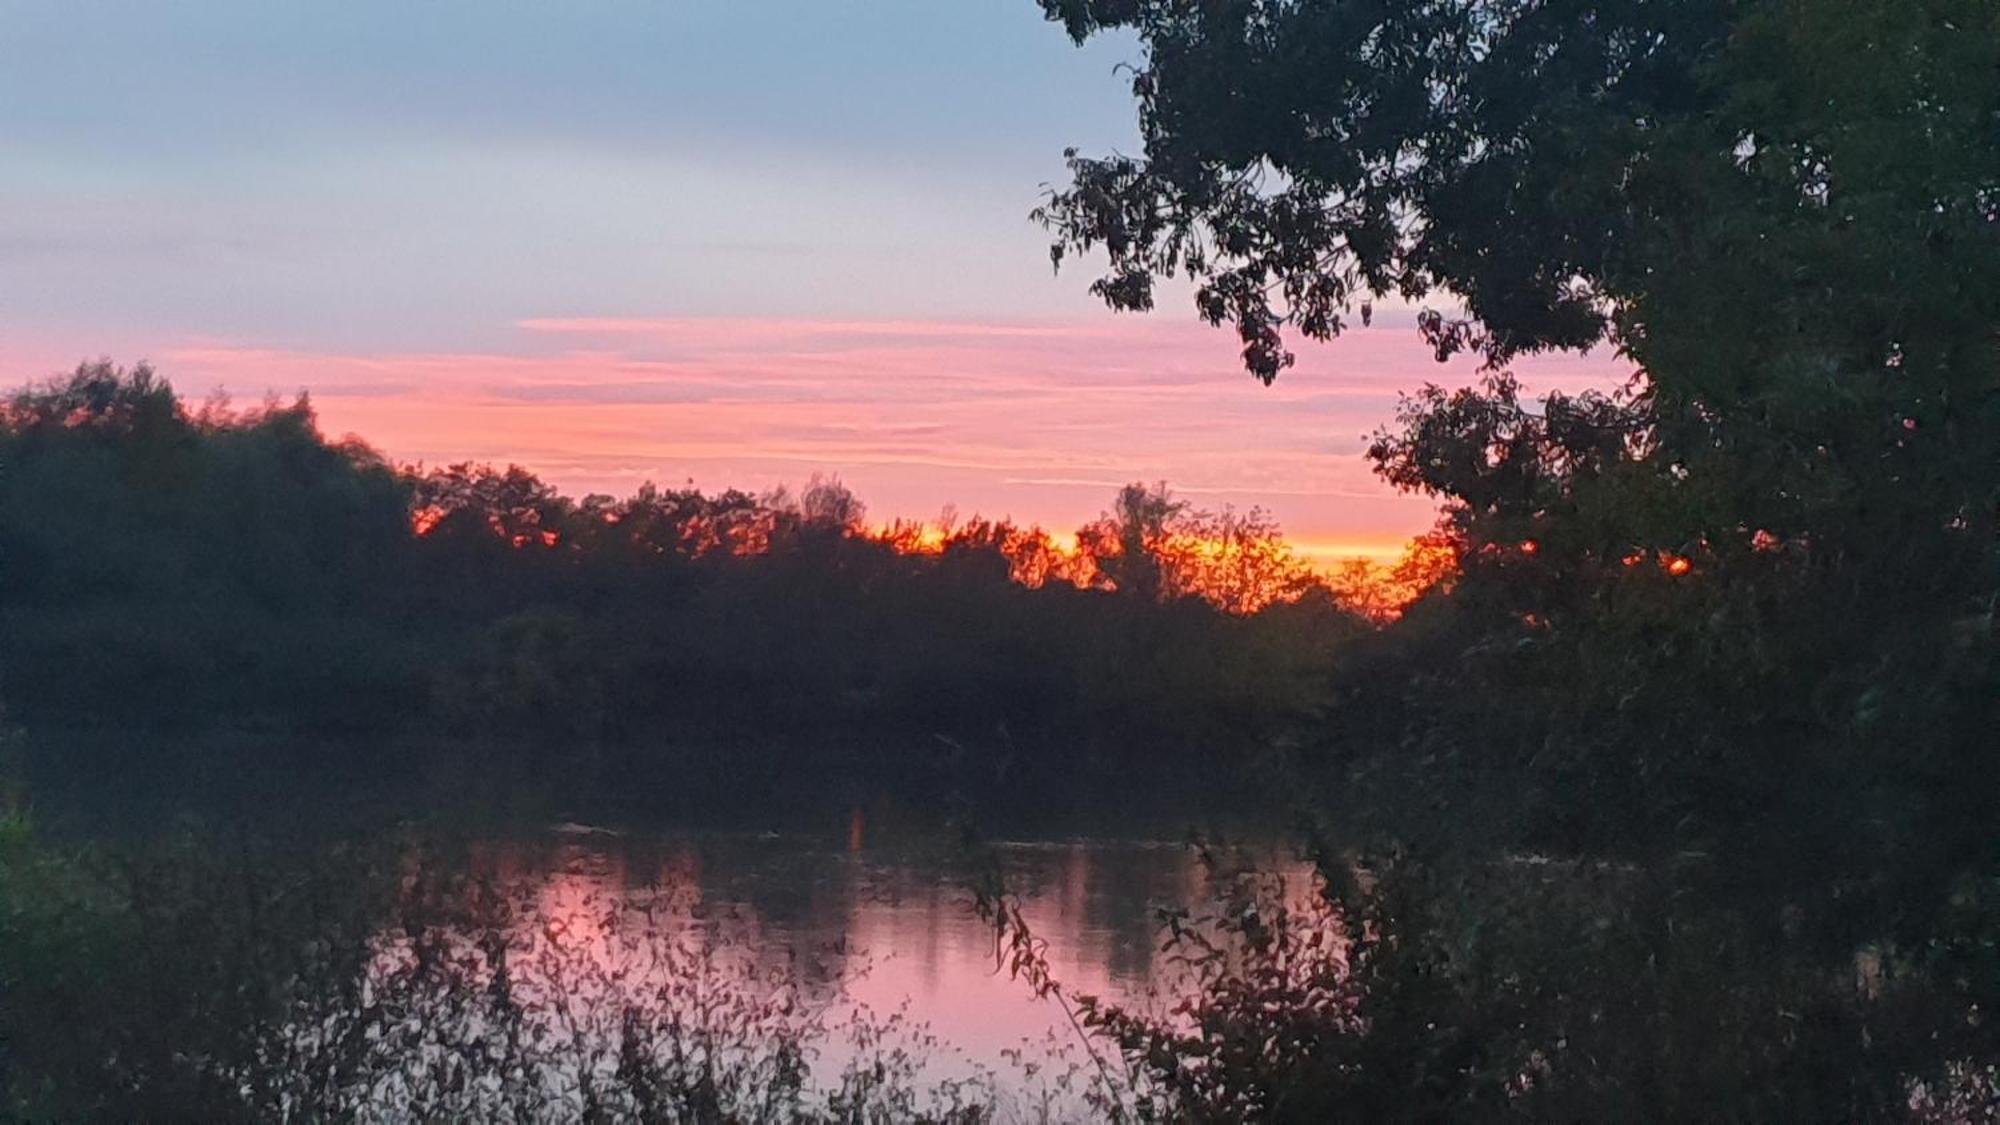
<point>197,982</point>
<point>1520,988</point>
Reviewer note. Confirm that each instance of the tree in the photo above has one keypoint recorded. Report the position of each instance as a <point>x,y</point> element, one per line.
<point>515,506</point>
<point>1156,548</point>
<point>1732,629</point>
<point>1785,212</point>
<point>1574,172</point>
<point>1125,543</point>
<point>828,503</point>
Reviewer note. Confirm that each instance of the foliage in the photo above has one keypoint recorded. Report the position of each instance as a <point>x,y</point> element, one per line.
<point>194,980</point>
<point>177,569</point>
<point>1571,172</point>
<point>1518,989</point>
<point>1156,548</point>
<point>1729,630</point>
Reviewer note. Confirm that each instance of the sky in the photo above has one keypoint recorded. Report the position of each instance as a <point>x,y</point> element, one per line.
<point>735,242</point>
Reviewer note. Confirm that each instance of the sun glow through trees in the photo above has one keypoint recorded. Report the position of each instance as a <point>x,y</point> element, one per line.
<point>1152,545</point>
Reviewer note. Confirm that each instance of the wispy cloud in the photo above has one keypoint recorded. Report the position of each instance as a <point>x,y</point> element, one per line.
<point>1039,420</point>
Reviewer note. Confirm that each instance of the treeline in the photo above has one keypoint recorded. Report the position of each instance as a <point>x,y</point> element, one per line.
<point>164,567</point>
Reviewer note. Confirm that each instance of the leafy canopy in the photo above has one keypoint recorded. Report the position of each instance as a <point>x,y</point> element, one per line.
<point>1729,190</point>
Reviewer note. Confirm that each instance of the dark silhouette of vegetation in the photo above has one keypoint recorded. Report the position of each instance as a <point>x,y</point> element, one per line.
<point>169,568</point>
<point>200,979</point>
<point>1720,652</point>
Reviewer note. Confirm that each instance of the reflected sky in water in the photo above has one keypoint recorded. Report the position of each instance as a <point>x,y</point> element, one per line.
<point>872,928</point>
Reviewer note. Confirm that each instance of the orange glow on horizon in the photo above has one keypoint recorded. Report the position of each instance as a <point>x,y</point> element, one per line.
<point>1238,574</point>
<point>1383,590</point>
<point>1040,419</point>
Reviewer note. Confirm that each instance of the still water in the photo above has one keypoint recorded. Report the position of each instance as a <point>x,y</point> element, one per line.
<point>854,925</point>
<point>866,931</point>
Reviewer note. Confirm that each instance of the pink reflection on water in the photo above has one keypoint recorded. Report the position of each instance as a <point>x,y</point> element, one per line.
<point>846,948</point>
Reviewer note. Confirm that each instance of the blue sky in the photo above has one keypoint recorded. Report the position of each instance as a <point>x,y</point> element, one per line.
<point>368,174</point>
<point>733,241</point>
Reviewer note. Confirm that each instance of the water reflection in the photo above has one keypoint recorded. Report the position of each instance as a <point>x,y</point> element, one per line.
<point>868,929</point>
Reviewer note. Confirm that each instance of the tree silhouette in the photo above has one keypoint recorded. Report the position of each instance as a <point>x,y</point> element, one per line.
<point>1731,629</point>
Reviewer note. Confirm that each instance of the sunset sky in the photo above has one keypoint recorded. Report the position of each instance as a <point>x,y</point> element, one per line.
<point>732,241</point>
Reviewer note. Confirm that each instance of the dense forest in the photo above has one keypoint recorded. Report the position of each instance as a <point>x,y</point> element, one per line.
<point>1670,798</point>
<point>176,569</point>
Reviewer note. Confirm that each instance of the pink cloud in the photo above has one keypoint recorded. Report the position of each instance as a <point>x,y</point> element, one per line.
<point>1038,420</point>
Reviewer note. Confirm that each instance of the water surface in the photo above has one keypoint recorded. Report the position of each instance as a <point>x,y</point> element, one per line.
<point>870,930</point>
